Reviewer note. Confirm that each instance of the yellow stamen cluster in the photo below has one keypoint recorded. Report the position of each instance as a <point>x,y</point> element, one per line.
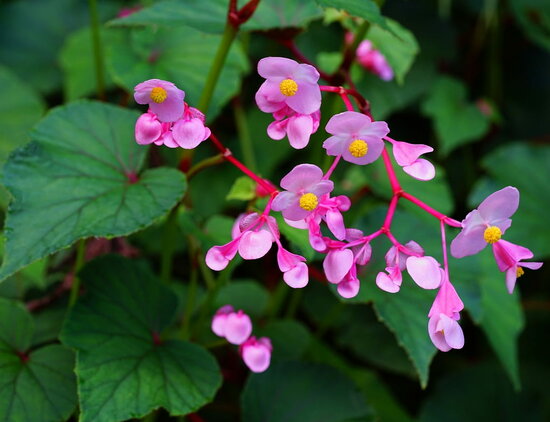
<point>288,87</point>
<point>519,272</point>
<point>158,94</point>
<point>358,148</point>
<point>492,234</point>
<point>308,201</point>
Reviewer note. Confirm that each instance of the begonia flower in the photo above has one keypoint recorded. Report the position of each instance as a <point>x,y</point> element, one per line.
<point>303,185</point>
<point>256,353</point>
<point>407,156</point>
<point>373,60</point>
<point>189,131</point>
<point>355,137</point>
<point>443,328</point>
<point>298,127</point>
<point>219,319</point>
<point>508,257</point>
<point>293,267</point>
<point>396,262</point>
<point>163,97</point>
<point>288,83</point>
<point>235,327</point>
<point>486,224</point>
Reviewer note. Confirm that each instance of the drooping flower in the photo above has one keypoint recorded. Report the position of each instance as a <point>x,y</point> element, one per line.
<point>303,185</point>
<point>508,257</point>
<point>443,328</point>
<point>486,224</point>
<point>256,353</point>
<point>355,137</point>
<point>373,60</point>
<point>396,262</point>
<point>288,83</point>
<point>298,127</point>
<point>293,267</point>
<point>407,156</point>
<point>235,327</point>
<point>189,131</point>
<point>425,271</point>
<point>163,97</point>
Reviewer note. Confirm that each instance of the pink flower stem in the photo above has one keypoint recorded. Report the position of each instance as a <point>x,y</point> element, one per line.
<point>389,215</point>
<point>395,186</point>
<point>444,246</point>
<point>332,167</point>
<point>430,210</point>
<point>228,155</point>
<point>329,88</point>
<point>346,101</point>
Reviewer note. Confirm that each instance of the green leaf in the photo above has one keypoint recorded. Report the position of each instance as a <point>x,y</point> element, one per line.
<point>290,339</point>
<point>366,9</point>
<point>204,16</point>
<point>534,17</point>
<point>248,295</point>
<point>398,45</point>
<point>117,329</point>
<point>274,14</point>
<point>243,189</point>
<point>37,385</point>
<point>77,180</point>
<point>20,109</point>
<point>502,318</point>
<point>524,166</point>
<point>77,61</point>
<point>305,392</point>
<point>456,121</point>
<point>181,55</point>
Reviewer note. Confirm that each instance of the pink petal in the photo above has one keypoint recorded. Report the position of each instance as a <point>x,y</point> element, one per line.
<point>337,263</point>
<point>321,188</point>
<point>298,276</point>
<point>277,129</point>
<point>189,133</point>
<point>425,271</point>
<point>254,245</point>
<point>148,129</point>
<point>299,130</point>
<point>384,282</point>
<point>306,73</point>
<point>301,177</point>
<point>276,67</point>
<point>452,331</point>
<point>307,99</point>
<point>375,147</point>
<point>269,98</point>
<point>405,154</point>
<point>335,145</point>
<point>168,140</point>
<point>421,170</point>
<point>347,123</point>
<point>295,212</point>
<point>437,337</point>
<point>284,200</point>
<point>363,255</point>
<point>500,205</point>
<point>256,355</point>
<point>238,327</point>
<point>219,319</point>
<point>287,260</point>
<point>335,223</point>
<point>468,244</point>
<point>218,257</point>
<point>348,288</point>
<point>511,277</point>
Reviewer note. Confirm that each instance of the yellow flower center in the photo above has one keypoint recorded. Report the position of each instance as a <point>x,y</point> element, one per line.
<point>492,234</point>
<point>519,272</point>
<point>308,201</point>
<point>158,94</point>
<point>288,87</point>
<point>358,148</point>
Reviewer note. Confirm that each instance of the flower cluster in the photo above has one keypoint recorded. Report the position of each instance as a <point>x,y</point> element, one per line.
<point>306,201</point>
<point>236,328</point>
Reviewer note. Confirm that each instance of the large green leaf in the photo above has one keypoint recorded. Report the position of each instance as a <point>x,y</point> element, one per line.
<point>37,385</point>
<point>398,45</point>
<point>272,14</point>
<point>296,391</point>
<point>456,121</point>
<point>77,61</point>
<point>206,16</point>
<point>181,55</point>
<point>524,166</point>
<point>534,17</point>
<point>80,178</point>
<point>366,9</point>
<point>248,295</point>
<point>117,329</point>
<point>20,109</point>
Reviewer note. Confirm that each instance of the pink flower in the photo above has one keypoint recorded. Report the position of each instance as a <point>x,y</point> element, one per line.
<point>236,327</point>
<point>396,262</point>
<point>189,131</point>
<point>373,60</point>
<point>407,156</point>
<point>355,137</point>
<point>487,223</point>
<point>337,263</point>
<point>443,328</point>
<point>253,236</point>
<point>256,353</point>
<point>298,127</point>
<point>293,267</point>
<point>425,271</point>
<point>288,83</point>
<point>148,128</point>
<point>509,257</point>
<point>304,185</point>
<point>163,97</point>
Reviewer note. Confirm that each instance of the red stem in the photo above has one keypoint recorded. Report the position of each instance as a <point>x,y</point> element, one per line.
<point>391,212</point>
<point>395,186</point>
<point>430,210</point>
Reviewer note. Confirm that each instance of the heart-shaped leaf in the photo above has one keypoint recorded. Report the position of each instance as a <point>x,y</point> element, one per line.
<point>80,178</point>
<point>117,329</point>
